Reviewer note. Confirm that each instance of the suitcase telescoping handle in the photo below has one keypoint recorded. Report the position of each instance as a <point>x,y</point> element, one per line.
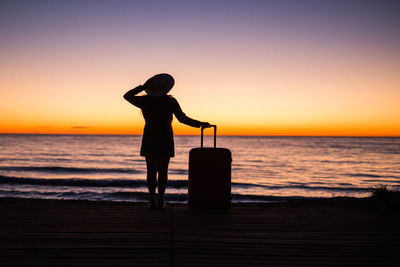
<point>215,135</point>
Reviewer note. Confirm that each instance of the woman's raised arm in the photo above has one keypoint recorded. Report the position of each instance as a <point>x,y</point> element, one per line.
<point>131,95</point>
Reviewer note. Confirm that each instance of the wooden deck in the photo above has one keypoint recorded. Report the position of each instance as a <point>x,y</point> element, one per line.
<point>83,233</point>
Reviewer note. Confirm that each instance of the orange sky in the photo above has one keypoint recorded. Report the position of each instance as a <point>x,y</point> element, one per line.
<point>249,73</point>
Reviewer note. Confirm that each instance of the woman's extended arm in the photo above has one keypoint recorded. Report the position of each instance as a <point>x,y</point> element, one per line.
<point>131,95</point>
<point>186,120</point>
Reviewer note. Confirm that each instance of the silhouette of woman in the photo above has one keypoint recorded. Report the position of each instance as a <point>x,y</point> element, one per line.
<point>157,142</point>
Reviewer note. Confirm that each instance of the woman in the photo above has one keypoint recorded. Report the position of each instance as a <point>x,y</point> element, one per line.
<point>157,142</point>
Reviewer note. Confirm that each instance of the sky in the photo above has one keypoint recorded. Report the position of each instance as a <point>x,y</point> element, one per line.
<point>250,67</point>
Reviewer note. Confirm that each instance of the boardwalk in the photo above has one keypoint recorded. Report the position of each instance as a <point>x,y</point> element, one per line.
<point>83,233</point>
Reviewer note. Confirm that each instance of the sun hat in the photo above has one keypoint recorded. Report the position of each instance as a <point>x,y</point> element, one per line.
<point>159,84</point>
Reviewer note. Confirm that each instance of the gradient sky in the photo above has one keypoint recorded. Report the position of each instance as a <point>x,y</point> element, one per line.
<point>251,67</point>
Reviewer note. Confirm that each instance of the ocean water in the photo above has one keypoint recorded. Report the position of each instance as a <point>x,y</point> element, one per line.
<point>98,167</point>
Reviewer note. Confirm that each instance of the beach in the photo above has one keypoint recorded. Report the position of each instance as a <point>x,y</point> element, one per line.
<point>335,232</point>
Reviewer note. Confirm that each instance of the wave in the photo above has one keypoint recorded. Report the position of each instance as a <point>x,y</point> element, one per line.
<point>302,186</point>
<point>386,181</point>
<point>78,182</point>
<point>58,169</point>
<point>178,171</point>
<point>63,170</point>
<point>131,196</point>
<point>346,161</point>
<point>179,184</point>
<point>363,175</point>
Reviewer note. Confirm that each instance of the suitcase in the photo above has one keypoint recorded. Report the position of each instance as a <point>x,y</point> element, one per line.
<point>209,176</point>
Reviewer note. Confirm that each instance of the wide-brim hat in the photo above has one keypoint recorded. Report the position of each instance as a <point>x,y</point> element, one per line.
<point>159,84</point>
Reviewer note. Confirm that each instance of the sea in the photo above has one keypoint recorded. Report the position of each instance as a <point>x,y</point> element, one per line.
<point>264,169</point>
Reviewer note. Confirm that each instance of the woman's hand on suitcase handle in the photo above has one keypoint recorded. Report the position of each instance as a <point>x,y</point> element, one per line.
<point>205,125</point>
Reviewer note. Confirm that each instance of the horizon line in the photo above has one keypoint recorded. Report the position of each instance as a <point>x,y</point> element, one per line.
<point>233,135</point>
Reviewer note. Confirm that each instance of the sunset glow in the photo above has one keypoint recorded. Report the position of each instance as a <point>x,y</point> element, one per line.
<point>251,67</point>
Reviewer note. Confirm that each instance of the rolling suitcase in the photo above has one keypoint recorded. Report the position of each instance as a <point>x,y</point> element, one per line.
<point>209,176</point>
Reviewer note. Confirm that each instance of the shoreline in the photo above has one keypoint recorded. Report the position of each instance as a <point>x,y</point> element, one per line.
<point>289,201</point>
<point>386,204</point>
<point>274,201</point>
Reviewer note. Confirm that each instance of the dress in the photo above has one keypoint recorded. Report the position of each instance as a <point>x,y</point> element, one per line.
<point>157,112</point>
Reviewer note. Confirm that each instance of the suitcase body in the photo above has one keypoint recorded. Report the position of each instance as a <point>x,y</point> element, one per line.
<point>209,177</point>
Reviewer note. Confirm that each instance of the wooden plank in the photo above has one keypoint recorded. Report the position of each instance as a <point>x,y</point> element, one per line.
<point>77,233</point>
<point>70,233</point>
<point>270,236</point>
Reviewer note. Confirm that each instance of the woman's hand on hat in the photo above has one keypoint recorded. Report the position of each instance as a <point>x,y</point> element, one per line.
<point>140,88</point>
<point>147,84</point>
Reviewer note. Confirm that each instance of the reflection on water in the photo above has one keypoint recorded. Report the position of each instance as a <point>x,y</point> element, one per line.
<point>262,166</point>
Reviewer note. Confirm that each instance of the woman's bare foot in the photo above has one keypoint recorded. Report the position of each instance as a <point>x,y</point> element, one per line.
<point>152,203</point>
<point>161,203</point>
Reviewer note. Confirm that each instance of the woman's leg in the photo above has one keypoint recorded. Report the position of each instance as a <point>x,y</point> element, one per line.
<point>152,164</point>
<point>162,178</point>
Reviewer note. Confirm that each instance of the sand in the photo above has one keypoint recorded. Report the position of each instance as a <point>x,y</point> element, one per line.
<point>86,233</point>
